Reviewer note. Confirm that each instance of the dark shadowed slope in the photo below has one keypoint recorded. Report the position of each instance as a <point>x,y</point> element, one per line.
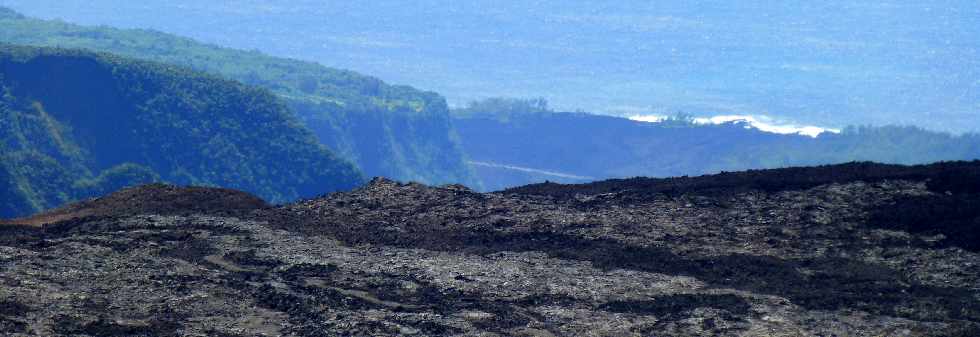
<point>808,251</point>
<point>507,148</point>
<point>75,124</point>
<point>387,130</point>
<point>959,177</point>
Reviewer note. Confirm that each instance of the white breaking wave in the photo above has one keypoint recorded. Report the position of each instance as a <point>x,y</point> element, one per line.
<point>648,118</point>
<point>762,123</point>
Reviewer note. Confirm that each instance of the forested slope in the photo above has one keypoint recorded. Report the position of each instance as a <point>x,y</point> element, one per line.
<point>393,131</point>
<point>75,124</point>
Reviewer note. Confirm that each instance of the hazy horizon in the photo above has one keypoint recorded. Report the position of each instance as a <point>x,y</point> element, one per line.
<point>828,64</point>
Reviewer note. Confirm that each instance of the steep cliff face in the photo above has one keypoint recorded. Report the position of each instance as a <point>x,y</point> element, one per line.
<point>76,124</point>
<point>401,142</point>
<point>386,130</point>
<point>808,251</point>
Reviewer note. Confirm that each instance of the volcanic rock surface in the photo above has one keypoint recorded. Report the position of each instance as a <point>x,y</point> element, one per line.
<point>848,250</point>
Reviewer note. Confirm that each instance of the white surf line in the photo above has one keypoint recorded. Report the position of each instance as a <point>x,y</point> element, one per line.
<point>761,123</point>
<point>529,170</point>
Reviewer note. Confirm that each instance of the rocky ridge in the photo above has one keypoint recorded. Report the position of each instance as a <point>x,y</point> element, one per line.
<point>848,250</point>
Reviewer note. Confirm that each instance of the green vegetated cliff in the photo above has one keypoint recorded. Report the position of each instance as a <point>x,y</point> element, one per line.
<point>505,138</point>
<point>393,131</point>
<point>75,124</point>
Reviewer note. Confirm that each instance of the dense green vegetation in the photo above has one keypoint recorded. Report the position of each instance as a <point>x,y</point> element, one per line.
<point>502,108</point>
<point>582,147</point>
<point>392,131</point>
<point>75,124</point>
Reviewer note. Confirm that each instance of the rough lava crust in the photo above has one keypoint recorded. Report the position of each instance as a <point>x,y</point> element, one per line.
<point>849,250</point>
